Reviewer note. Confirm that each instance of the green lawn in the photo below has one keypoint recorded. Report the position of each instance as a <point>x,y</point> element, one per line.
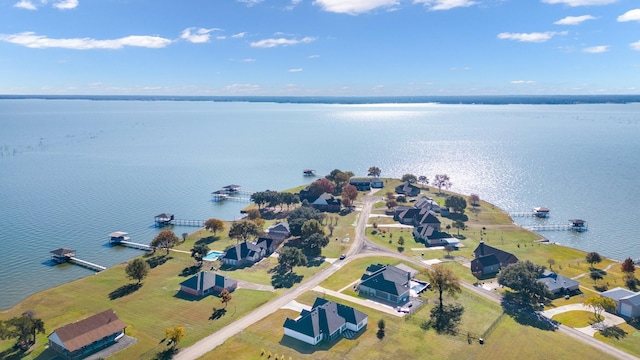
<point>625,337</point>
<point>576,319</point>
<point>146,312</point>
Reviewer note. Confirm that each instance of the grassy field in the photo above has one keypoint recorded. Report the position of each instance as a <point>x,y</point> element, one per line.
<point>576,319</point>
<point>146,312</point>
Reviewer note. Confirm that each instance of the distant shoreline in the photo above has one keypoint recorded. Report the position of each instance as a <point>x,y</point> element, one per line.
<point>359,100</point>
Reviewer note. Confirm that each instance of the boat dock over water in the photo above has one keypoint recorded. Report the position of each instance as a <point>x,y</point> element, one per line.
<point>539,212</point>
<point>165,219</point>
<point>573,225</point>
<point>232,192</point>
<point>63,255</point>
<point>122,238</point>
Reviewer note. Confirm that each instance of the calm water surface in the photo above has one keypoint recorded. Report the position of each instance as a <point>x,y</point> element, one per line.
<point>73,171</point>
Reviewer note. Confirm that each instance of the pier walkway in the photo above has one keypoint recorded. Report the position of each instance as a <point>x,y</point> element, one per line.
<point>87,264</point>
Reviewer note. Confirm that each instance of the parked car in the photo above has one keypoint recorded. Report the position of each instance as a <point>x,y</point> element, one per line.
<point>343,256</point>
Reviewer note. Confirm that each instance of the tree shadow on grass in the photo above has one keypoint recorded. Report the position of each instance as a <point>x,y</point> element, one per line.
<point>157,260</point>
<point>13,353</point>
<point>456,216</point>
<point>315,262</point>
<point>124,290</point>
<point>614,332</point>
<point>525,314</point>
<point>190,270</point>
<point>207,240</point>
<point>217,313</point>
<point>167,354</point>
<point>287,280</point>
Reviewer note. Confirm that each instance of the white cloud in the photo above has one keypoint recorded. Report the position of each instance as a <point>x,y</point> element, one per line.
<point>295,70</point>
<point>631,15</point>
<point>596,49</point>
<point>580,2</point>
<point>25,4</point>
<point>536,37</point>
<point>65,4</point>
<point>31,40</point>
<point>635,45</point>
<point>574,20</point>
<point>200,35</point>
<point>445,4</point>
<point>250,2</point>
<point>354,7</point>
<point>248,60</point>
<point>269,43</point>
<point>520,82</point>
<point>313,56</point>
<point>242,88</point>
<point>239,35</point>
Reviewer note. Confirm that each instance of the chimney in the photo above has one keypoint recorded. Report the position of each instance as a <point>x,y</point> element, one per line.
<point>481,246</point>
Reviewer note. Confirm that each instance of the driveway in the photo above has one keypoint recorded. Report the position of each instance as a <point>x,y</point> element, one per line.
<point>609,319</point>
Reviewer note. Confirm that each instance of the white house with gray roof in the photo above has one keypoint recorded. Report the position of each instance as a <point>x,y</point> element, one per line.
<point>627,301</point>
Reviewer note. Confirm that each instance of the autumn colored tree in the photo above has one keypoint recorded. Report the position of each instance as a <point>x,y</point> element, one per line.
<point>225,297</point>
<point>175,335</point>
<point>214,225</point>
<point>166,239</point>
<point>349,193</point>
<point>474,199</point>
<point>321,186</point>
<point>600,304</point>
<point>628,267</point>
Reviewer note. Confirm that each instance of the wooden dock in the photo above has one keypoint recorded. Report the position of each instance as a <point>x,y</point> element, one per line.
<point>574,225</point>
<point>87,264</point>
<point>136,245</point>
<point>233,193</point>
<point>169,219</point>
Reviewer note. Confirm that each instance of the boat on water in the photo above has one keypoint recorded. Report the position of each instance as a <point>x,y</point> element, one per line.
<point>541,212</point>
<point>309,172</point>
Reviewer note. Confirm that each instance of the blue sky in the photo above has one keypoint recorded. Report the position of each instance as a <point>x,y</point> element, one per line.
<point>319,47</point>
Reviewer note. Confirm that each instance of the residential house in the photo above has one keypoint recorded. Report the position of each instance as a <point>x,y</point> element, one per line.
<point>270,245</point>
<point>81,338</point>
<point>558,284</point>
<point>325,321</point>
<point>485,265</point>
<point>627,301</point>
<point>428,235</point>
<point>362,184</point>
<point>377,183</point>
<point>427,217</point>
<point>204,283</point>
<point>408,189</point>
<point>504,257</point>
<point>425,202</point>
<point>279,231</point>
<point>326,202</point>
<point>245,253</point>
<point>385,282</point>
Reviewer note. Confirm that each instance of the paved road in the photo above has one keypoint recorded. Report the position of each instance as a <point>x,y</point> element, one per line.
<point>360,248</point>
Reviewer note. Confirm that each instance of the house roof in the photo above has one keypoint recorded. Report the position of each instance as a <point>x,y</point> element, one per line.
<point>117,234</point>
<point>555,282</point>
<point>387,278</point>
<point>166,216</point>
<point>241,251</point>
<point>427,217</point>
<point>409,213</point>
<point>618,293</point>
<point>325,317</point>
<point>487,260</point>
<point>426,202</point>
<point>62,251</point>
<point>206,280</point>
<point>279,227</point>
<point>504,257</point>
<point>86,331</point>
<point>632,299</point>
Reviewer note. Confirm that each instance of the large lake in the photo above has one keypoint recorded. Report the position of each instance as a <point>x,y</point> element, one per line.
<point>73,171</point>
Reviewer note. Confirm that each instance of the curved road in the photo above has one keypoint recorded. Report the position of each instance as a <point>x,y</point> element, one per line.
<point>360,248</point>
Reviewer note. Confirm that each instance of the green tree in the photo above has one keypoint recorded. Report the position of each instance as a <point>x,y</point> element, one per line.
<point>311,227</point>
<point>460,225</point>
<point>400,240</point>
<point>23,328</point>
<point>381,329</point>
<point>299,216</point>
<point>349,193</point>
<point>137,269</point>
<point>253,214</point>
<point>312,245</point>
<point>290,199</point>
<point>175,335</point>
<point>600,304</point>
<point>443,280</point>
<point>166,239</point>
<point>374,171</point>
<point>225,297</point>
<point>290,257</point>
<point>522,277</point>
<point>244,230</point>
<point>409,178</point>
<point>593,258</point>
<point>198,252</point>
<point>423,180</point>
<point>214,225</point>
<point>456,203</point>
<point>551,262</point>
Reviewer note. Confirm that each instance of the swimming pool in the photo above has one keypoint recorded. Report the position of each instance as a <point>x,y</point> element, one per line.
<point>213,255</point>
<point>417,287</point>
